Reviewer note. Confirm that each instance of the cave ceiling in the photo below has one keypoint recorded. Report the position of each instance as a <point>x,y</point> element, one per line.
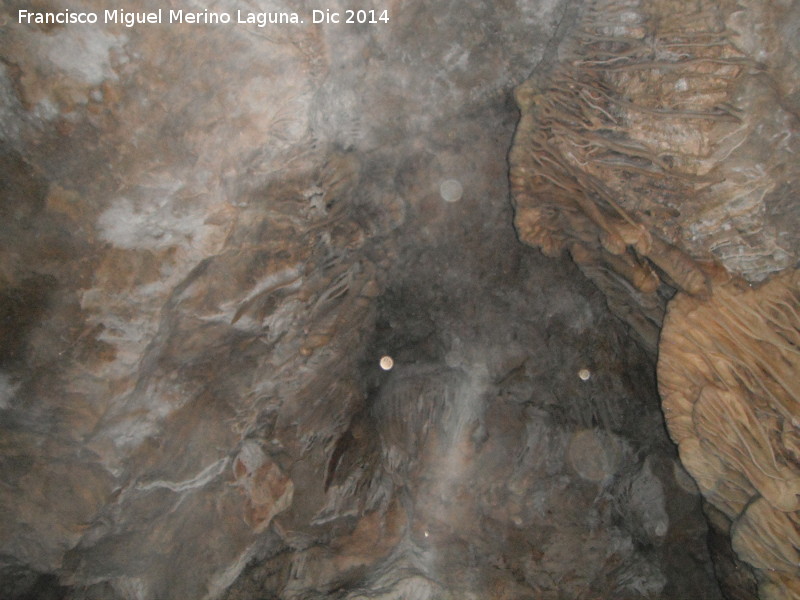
<point>482,300</point>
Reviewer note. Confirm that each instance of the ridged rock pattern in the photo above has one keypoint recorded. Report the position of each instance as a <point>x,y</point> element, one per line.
<point>658,145</point>
<point>655,146</point>
<point>728,379</point>
<point>211,234</point>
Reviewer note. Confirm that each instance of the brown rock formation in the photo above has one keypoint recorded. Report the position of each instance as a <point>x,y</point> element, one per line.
<point>211,233</point>
<point>727,374</point>
<point>655,146</point>
<point>651,147</point>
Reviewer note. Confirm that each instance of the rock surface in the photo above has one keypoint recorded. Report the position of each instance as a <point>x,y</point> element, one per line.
<point>211,235</point>
<point>657,146</point>
<point>726,374</point>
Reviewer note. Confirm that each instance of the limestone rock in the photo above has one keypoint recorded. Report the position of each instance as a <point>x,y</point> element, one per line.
<point>653,147</point>
<point>727,376</point>
<point>211,233</point>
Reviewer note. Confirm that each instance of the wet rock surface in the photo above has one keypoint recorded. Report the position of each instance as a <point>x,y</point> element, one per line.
<point>212,234</point>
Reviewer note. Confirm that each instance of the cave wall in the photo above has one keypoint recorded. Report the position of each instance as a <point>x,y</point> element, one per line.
<point>726,377</point>
<point>658,147</point>
<point>210,235</point>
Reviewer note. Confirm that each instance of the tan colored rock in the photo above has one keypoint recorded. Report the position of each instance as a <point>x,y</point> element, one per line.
<point>650,149</point>
<point>268,490</point>
<point>763,537</point>
<point>728,379</point>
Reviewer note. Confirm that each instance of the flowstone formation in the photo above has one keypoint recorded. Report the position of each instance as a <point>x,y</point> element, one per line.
<point>657,145</point>
<point>728,379</point>
<point>210,237</point>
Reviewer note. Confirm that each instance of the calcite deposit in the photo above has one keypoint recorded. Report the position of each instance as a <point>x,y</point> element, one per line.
<point>656,147</point>
<point>728,378</point>
<point>267,329</point>
<point>653,146</point>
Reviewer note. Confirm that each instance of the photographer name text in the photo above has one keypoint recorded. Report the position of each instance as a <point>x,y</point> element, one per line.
<point>204,17</point>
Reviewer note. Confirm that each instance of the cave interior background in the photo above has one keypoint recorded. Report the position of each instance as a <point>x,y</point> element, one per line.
<point>211,234</point>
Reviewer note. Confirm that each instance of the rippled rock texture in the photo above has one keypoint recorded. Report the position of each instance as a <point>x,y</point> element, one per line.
<point>727,376</point>
<point>210,236</point>
<point>658,147</point>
